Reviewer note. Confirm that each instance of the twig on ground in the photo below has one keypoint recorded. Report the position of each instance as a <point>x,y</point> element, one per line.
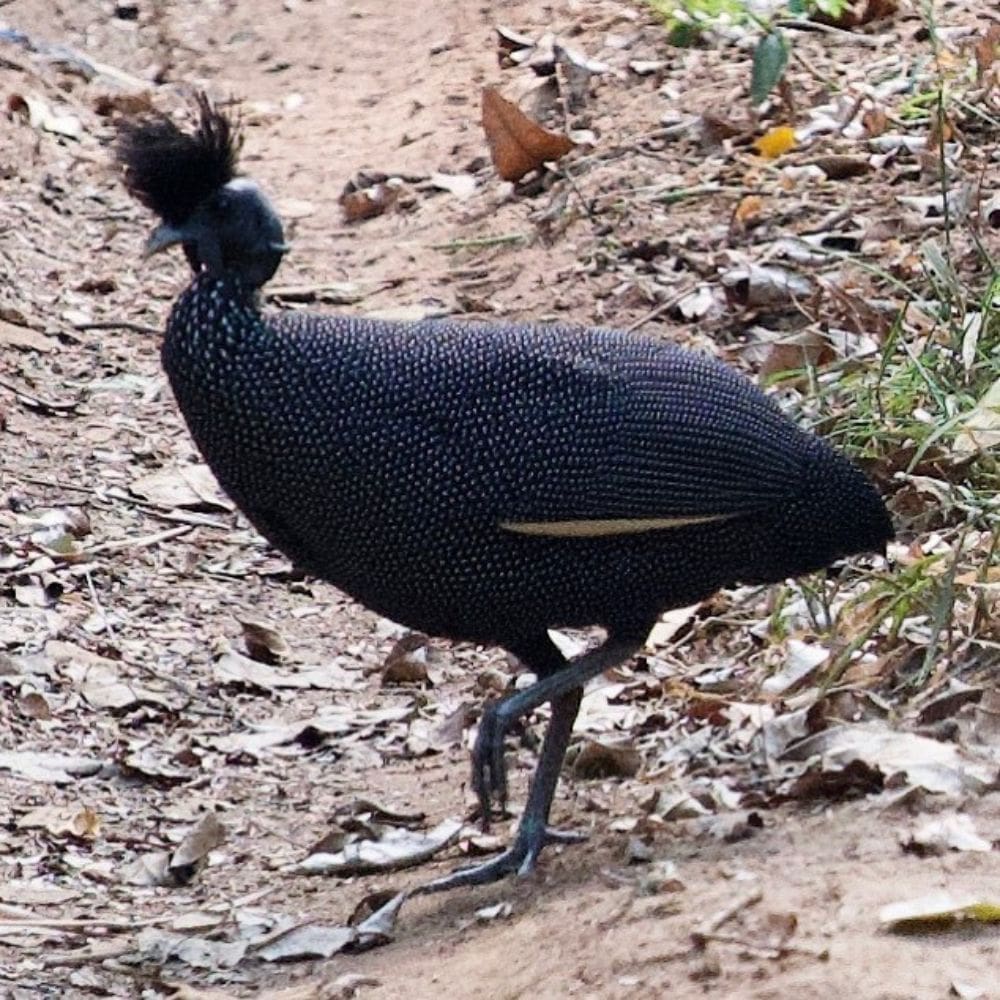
<point>117,324</point>
<point>54,406</point>
<point>709,927</point>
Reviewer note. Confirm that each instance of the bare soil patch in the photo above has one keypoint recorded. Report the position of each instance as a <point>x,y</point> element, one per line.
<point>118,658</point>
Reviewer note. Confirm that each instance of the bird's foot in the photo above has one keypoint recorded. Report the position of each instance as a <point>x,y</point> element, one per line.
<point>519,859</point>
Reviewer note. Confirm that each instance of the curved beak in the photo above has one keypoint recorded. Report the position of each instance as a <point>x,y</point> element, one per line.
<point>163,236</point>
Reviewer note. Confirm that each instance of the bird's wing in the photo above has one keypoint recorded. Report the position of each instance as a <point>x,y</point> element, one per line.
<point>652,438</point>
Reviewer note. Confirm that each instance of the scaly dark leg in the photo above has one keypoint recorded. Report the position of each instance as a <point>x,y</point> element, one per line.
<point>564,689</point>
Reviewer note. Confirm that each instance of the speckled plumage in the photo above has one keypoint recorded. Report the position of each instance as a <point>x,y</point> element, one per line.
<point>386,458</point>
<point>480,482</point>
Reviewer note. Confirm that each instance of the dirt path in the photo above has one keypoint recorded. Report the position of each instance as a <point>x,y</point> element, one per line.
<point>331,88</point>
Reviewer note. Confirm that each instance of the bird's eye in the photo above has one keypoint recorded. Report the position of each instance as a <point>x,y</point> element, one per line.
<point>222,207</point>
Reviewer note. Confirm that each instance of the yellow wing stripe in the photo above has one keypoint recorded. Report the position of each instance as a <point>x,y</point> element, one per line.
<point>601,527</point>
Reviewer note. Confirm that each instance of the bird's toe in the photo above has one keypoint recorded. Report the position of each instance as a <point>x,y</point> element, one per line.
<point>489,765</point>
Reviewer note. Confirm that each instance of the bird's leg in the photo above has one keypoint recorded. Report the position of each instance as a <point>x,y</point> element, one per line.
<point>489,772</point>
<point>489,768</point>
<point>564,689</point>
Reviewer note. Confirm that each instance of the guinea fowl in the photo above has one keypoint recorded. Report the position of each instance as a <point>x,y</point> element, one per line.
<point>483,483</point>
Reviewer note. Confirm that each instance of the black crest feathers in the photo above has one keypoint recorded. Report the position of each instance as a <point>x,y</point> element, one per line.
<point>171,172</point>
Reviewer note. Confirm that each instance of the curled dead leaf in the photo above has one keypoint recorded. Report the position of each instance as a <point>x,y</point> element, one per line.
<point>601,760</point>
<point>264,642</point>
<point>517,144</point>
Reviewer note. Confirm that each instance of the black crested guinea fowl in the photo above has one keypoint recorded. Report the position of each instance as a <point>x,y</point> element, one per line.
<point>478,482</point>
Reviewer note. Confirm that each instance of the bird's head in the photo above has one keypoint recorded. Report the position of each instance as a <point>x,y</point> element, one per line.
<point>224,222</point>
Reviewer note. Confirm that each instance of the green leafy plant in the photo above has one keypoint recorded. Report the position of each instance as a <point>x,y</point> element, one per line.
<point>687,20</point>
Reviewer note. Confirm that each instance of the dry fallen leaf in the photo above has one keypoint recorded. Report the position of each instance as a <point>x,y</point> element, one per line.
<point>858,12</point>
<point>397,848</point>
<point>190,486</point>
<point>980,429</point>
<point>205,836</point>
<point>38,114</point>
<point>35,892</point>
<point>264,642</point>
<point>61,821</point>
<point>233,667</point>
<point>58,769</point>
<point>517,144</point>
<point>600,760</point>
<point>367,203</point>
<point>938,910</point>
<point>904,759</point>
<point>23,338</point>
<point>951,832</point>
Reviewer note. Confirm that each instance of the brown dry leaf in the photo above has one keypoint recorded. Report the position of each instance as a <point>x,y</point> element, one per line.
<point>128,104</point>
<point>189,486</point>
<point>205,836</point>
<point>367,203</point>
<point>55,768</point>
<point>840,167</point>
<point>875,121</point>
<point>859,12</point>
<point>23,338</point>
<point>806,349</point>
<point>517,144</point>
<point>749,209</point>
<point>987,50</point>
<point>904,759</point>
<point>407,661</point>
<point>34,706</point>
<point>264,642</point>
<point>62,821</point>
<point>601,760</point>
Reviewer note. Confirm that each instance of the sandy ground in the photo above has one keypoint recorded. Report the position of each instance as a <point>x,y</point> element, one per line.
<point>331,88</point>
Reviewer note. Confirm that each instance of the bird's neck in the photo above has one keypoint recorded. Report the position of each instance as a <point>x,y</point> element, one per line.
<point>212,318</point>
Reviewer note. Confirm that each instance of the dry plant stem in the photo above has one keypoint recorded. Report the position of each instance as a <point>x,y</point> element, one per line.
<point>656,312</point>
<point>710,926</point>
<point>853,37</point>
<point>118,324</point>
<point>767,950</point>
<point>160,511</point>
<point>95,600</point>
<point>85,924</point>
<point>86,955</point>
<point>142,542</point>
<point>49,404</point>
